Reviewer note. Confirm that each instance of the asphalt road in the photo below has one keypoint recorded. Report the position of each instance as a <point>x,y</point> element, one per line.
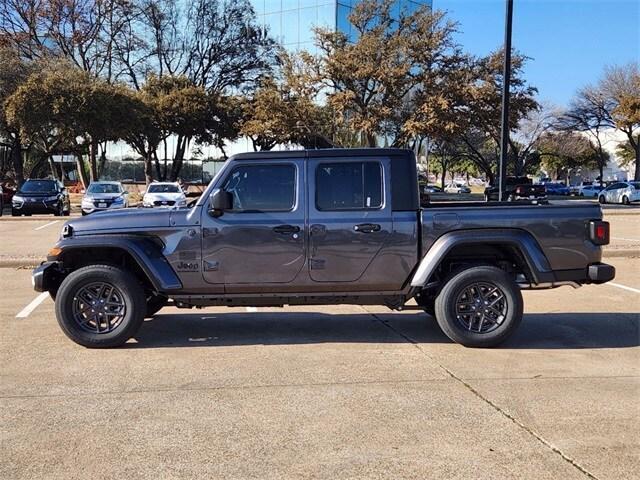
<point>322,392</point>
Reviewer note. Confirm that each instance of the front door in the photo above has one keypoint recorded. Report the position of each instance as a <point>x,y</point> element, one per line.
<point>261,240</point>
<point>349,217</point>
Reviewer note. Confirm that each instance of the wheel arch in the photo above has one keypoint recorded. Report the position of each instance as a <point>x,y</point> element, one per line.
<point>517,246</point>
<point>141,255</point>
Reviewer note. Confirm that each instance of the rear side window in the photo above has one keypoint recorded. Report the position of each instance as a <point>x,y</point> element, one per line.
<point>262,188</point>
<point>349,186</point>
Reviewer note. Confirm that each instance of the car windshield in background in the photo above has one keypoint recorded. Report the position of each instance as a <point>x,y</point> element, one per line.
<point>163,189</point>
<point>104,188</point>
<point>38,186</point>
<point>635,185</point>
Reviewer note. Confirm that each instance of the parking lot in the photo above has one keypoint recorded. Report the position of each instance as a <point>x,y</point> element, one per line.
<point>323,392</point>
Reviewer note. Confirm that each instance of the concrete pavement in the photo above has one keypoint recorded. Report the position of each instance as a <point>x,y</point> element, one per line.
<point>326,392</point>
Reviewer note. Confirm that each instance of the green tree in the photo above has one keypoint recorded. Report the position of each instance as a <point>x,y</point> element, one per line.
<point>13,72</point>
<point>564,151</point>
<point>66,108</point>
<point>482,115</point>
<point>369,77</point>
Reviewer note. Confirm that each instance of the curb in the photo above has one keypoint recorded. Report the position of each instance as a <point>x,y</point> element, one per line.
<point>30,263</point>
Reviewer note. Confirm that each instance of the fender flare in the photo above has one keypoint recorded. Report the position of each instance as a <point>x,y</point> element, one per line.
<point>523,241</point>
<point>144,251</point>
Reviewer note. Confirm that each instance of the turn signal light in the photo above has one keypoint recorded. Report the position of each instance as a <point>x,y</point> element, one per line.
<point>54,252</point>
<point>599,232</point>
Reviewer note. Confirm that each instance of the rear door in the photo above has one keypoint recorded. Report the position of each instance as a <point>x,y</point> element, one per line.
<point>261,240</point>
<point>349,216</point>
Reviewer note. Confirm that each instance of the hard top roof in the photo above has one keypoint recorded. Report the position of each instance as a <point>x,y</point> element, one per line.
<point>323,152</point>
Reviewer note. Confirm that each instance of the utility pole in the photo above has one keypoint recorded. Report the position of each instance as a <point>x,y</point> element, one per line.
<point>506,75</point>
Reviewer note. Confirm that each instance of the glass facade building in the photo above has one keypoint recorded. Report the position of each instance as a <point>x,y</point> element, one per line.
<point>291,22</point>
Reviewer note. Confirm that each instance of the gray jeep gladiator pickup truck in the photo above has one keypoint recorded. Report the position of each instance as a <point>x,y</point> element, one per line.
<point>320,227</point>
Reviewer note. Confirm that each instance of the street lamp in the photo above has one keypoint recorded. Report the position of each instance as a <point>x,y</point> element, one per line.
<point>506,76</point>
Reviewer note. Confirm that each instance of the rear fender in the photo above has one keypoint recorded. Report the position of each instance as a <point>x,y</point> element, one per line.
<point>522,241</point>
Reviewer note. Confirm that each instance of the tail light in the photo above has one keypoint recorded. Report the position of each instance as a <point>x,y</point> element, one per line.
<point>518,190</point>
<point>599,232</point>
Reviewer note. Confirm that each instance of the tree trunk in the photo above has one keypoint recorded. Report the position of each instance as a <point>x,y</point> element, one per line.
<point>82,174</point>
<point>18,165</point>
<point>93,165</point>
<point>54,169</point>
<point>156,161</point>
<point>444,175</point>
<point>178,159</point>
<point>636,173</point>
<point>103,161</point>
<point>148,176</point>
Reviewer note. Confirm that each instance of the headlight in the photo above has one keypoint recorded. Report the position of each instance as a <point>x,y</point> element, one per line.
<point>87,201</point>
<point>17,199</point>
<point>51,199</point>
<point>118,200</point>
<point>182,203</point>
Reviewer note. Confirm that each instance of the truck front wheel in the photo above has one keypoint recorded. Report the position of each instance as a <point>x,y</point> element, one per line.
<point>479,307</point>
<point>100,306</point>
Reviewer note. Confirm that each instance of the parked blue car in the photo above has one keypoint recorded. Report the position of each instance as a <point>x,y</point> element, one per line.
<point>557,189</point>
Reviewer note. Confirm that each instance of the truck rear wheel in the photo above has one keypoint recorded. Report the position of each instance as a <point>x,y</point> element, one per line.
<point>100,306</point>
<point>479,307</point>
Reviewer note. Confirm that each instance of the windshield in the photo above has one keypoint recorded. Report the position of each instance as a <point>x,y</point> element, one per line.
<point>163,189</point>
<point>104,188</point>
<point>635,185</point>
<point>39,186</point>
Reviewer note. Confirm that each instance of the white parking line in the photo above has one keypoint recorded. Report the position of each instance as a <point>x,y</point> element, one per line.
<point>46,225</point>
<point>252,309</point>
<point>623,287</point>
<point>26,311</point>
<point>626,239</point>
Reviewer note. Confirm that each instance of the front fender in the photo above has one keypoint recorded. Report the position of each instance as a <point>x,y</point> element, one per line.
<point>523,241</point>
<point>144,251</point>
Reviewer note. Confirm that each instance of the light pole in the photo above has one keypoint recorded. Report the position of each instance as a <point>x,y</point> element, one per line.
<point>506,76</point>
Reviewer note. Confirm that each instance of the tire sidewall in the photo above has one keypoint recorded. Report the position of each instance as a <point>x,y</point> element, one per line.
<point>128,286</point>
<point>446,314</point>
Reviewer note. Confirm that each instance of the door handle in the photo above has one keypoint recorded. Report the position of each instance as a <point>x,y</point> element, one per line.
<point>367,227</point>
<point>286,229</point>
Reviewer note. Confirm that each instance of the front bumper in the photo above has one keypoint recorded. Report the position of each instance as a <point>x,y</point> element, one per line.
<point>86,209</point>
<point>46,277</point>
<point>36,207</point>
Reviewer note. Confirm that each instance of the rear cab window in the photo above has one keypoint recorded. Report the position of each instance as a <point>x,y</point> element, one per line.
<point>349,186</point>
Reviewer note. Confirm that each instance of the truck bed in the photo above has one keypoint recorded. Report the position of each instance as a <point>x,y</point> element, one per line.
<point>559,227</point>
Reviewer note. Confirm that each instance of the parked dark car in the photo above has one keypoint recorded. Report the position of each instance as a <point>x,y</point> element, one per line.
<point>41,196</point>
<point>516,188</point>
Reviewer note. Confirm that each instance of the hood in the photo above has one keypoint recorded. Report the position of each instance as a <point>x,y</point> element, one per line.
<point>163,196</point>
<point>36,194</point>
<point>128,220</point>
<point>134,220</point>
<point>101,196</point>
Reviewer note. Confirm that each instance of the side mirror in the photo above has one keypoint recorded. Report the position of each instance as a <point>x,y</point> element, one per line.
<point>219,201</point>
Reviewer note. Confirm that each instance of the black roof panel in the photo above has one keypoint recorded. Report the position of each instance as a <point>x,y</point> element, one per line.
<point>322,152</point>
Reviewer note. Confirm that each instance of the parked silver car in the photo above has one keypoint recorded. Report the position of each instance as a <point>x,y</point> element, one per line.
<point>104,196</point>
<point>620,192</point>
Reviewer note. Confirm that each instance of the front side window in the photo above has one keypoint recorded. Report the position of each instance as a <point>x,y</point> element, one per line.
<point>262,188</point>
<point>349,186</point>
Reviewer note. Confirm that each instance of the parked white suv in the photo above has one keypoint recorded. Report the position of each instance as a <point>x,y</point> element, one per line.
<point>164,194</point>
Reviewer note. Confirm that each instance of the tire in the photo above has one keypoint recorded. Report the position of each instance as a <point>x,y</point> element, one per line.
<point>154,304</point>
<point>625,200</point>
<point>60,211</point>
<point>84,285</point>
<point>464,291</point>
<point>14,213</point>
<point>601,199</point>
